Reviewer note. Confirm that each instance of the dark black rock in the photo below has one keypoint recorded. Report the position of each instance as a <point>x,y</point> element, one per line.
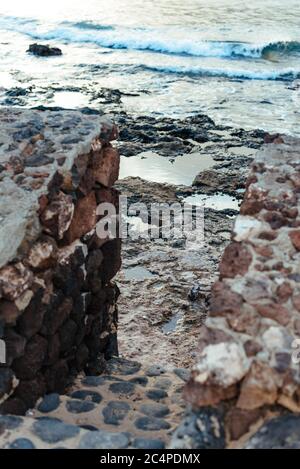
<point>151,424</point>
<point>10,422</point>
<point>122,388</point>
<point>89,427</point>
<point>155,410</point>
<point>155,370</point>
<point>121,366</point>
<point>6,379</point>
<point>182,373</point>
<point>86,395</point>
<point>78,407</point>
<point>115,412</point>
<point>156,394</point>
<point>144,443</point>
<point>141,380</point>
<point>53,430</point>
<point>279,433</point>
<point>21,443</point>
<point>163,383</point>
<point>42,50</point>
<point>49,403</point>
<point>203,429</point>
<point>104,440</point>
<point>94,381</point>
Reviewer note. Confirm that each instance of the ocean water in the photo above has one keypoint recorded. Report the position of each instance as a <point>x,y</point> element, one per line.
<point>237,62</point>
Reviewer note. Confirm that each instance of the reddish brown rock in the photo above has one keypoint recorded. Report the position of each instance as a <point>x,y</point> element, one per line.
<point>235,261</point>
<point>252,348</point>
<point>106,167</point>
<point>295,238</point>
<point>57,216</point>
<point>259,387</point>
<point>206,395</point>
<point>275,219</point>
<point>43,254</point>
<point>84,218</point>
<point>274,311</point>
<point>296,302</point>
<point>284,292</point>
<point>14,281</point>
<point>224,301</point>
<point>238,421</point>
<point>264,251</point>
<point>8,311</point>
<point>111,263</point>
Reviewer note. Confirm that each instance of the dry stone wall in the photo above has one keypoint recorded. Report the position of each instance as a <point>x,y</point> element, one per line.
<point>58,312</point>
<point>245,365</point>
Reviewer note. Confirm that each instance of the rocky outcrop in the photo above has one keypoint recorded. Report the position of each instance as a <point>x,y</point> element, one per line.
<point>58,311</point>
<point>245,363</point>
<point>43,50</point>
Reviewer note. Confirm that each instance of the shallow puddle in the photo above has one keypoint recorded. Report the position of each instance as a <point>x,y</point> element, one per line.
<point>242,151</point>
<point>70,99</point>
<point>216,201</point>
<point>137,273</point>
<point>181,170</point>
<point>171,325</point>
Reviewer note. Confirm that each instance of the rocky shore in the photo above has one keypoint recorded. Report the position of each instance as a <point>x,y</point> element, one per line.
<point>176,305</point>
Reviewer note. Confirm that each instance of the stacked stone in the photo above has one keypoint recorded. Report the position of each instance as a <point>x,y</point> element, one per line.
<point>245,366</point>
<point>58,311</point>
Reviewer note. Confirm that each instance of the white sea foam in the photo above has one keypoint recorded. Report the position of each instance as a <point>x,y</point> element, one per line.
<point>161,40</point>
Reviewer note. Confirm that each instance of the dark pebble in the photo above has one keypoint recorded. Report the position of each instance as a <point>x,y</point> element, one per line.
<point>144,443</point>
<point>151,424</point>
<point>78,407</point>
<point>279,433</point>
<point>53,430</point>
<point>163,383</point>
<point>93,381</point>
<point>156,394</point>
<point>122,388</point>
<point>182,373</point>
<point>155,370</point>
<point>155,410</point>
<point>85,395</point>
<point>141,380</point>
<point>203,429</point>
<point>21,443</point>
<point>122,366</point>
<point>10,422</point>
<point>91,428</point>
<point>115,412</point>
<point>49,403</point>
<point>104,440</point>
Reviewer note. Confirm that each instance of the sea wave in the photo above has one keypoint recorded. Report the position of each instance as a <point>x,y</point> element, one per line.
<point>155,40</point>
<point>283,75</point>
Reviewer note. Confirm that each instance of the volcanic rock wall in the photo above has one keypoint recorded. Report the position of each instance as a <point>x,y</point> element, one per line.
<point>58,311</point>
<point>245,366</point>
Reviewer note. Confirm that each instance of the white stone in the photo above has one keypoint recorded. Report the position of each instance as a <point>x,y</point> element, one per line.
<point>225,364</point>
<point>246,227</point>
